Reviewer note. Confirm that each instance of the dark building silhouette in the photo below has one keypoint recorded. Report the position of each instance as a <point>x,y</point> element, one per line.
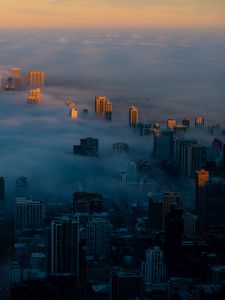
<point>63,246</point>
<point>126,285</point>
<point>173,235</point>
<point>87,202</point>
<point>155,214</point>
<point>87,147</point>
<point>210,201</point>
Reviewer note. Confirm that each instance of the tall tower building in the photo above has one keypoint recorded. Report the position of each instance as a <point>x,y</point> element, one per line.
<point>163,145</point>
<point>29,215</point>
<point>36,78</point>
<point>193,158</point>
<point>173,234</point>
<point>210,198</point>
<point>108,111</point>
<point>155,213</point>
<point>202,176</point>
<point>63,246</point>
<point>98,235</point>
<point>2,191</point>
<point>103,107</point>
<point>34,96</point>
<point>153,269</point>
<point>199,122</point>
<point>133,116</point>
<point>186,122</point>
<point>171,123</point>
<point>73,113</point>
<point>190,225</point>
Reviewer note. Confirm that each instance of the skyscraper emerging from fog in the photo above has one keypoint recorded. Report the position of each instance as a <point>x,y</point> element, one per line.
<point>87,147</point>
<point>103,107</point>
<point>36,78</point>
<point>199,122</point>
<point>171,123</point>
<point>133,115</point>
<point>34,96</point>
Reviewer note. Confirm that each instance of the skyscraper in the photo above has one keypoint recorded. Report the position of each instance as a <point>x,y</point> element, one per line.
<point>173,234</point>
<point>73,113</point>
<point>98,235</point>
<point>194,158</point>
<point>153,268</point>
<point>155,213</point>
<point>29,214</point>
<point>186,122</point>
<point>199,122</point>
<point>163,145</point>
<point>34,96</point>
<point>36,78</point>
<point>103,107</point>
<point>63,246</point>
<point>171,123</point>
<point>210,198</point>
<point>133,115</point>
<point>87,147</point>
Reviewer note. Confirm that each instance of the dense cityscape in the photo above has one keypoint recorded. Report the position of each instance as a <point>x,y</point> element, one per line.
<point>149,224</point>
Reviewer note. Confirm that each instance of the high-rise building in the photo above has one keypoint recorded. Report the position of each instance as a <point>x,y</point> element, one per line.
<point>34,96</point>
<point>169,199</point>
<point>63,246</point>
<point>87,147</point>
<point>108,111</point>
<point>73,113</point>
<point>126,285</point>
<point>87,202</point>
<point>103,107</point>
<point>193,158</point>
<point>21,187</point>
<point>29,214</point>
<point>98,235</point>
<point>190,225</point>
<point>155,213</point>
<point>133,115</point>
<point>173,234</point>
<point>163,145</point>
<point>153,269</point>
<point>210,198</point>
<point>36,78</point>
<point>120,147</point>
<point>179,152</point>
<point>186,122</point>
<point>2,191</point>
<point>171,123</point>
<point>199,122</point>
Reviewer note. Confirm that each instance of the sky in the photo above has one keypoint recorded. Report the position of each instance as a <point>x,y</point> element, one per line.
<point>111,13</point>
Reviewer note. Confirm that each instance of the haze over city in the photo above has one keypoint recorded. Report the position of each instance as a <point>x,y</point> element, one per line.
<point>112,149</point>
